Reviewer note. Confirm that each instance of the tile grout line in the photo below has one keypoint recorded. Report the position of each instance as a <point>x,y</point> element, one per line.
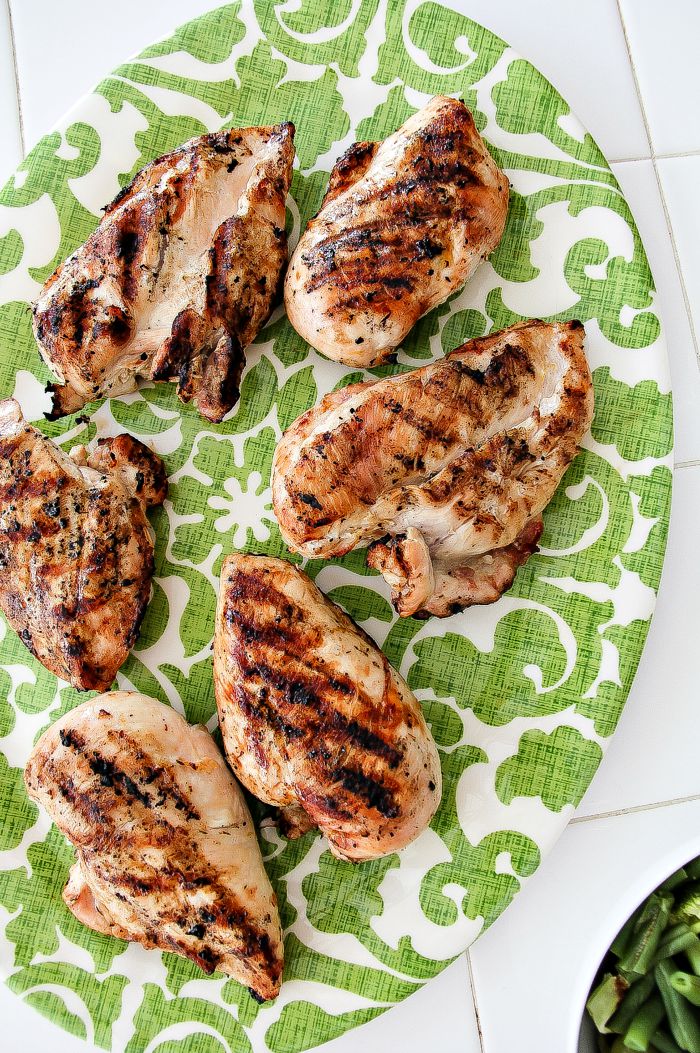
<point>634,809</point>
<point>664,203</point>
<point>16,73</point>
<point>681,276</point>
<point>476,1005</point>
<point>673,156</point>
<point>651,155</point>
<point>630,56</point>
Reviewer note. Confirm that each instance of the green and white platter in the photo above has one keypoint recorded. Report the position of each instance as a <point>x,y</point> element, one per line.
<point>522,696</point>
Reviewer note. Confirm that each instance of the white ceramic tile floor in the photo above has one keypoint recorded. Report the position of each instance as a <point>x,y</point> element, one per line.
<point>549,927</point>
<point>638,767</point>
<point>640,186</point>
<point>663,39</point>
<point>597,68</point>
<point>531,971</point>
<point>53,78</point>
<point>680,178</point>
<point>10,137</point>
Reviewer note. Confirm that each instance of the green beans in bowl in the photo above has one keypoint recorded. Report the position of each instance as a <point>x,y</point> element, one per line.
<point>646,996</point>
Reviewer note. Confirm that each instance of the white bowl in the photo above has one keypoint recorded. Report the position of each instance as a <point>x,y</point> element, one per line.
<point>581,1037</point>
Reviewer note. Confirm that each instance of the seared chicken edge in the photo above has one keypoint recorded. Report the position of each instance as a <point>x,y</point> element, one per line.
<point>314,719</point>
<point>178,278</point>
<point>76,548</point>
<point>443,472</point>
<point>403,225</point>
<point>166,849</point>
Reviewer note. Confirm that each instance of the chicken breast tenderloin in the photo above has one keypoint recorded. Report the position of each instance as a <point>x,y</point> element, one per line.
<point>166,849</point>
<point>76,548</point>
<point>178,278</point>
<point>443,471</point>
<point>403,225</point>
<point>314,719</point>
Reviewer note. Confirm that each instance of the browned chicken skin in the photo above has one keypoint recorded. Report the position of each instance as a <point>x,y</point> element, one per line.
<point>443,471</point>
<point>76,548</point>
<point>403,225</point>
<point>166,849</point>
<point>179,277</point>
<point>313,717</point>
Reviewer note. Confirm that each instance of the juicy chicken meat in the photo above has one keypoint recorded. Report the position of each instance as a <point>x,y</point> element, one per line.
<point>178,278</point>
<point>76,548</point>
<point>166,849</point>
<point>314,719</point>
<point>403,225</point>
<point>443,471</point>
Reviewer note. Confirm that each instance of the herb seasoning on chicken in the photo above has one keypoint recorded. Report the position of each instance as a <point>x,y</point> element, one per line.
<point>179,277</point>
<point>313,717</point>
<point>166,850</point>
<point>76,548</point>
<point>443,471</point>
<point>403,225</point>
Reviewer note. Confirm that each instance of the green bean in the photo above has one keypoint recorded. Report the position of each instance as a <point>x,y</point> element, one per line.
<point>687,907</point>
<point>632,1001</point>
<point>619,944</point>
<point>603,1002</point>
<point>693,956</point>
<point>674,880</point>
<point>683,1021</point>
<point>687,985</point>
<point>665,1044</point>
<point>648,931</point>
<point>677,938</point>
<point>603,1044</point>
<point>645,1024</point>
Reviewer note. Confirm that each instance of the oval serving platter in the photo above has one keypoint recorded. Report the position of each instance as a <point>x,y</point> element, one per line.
<point>522,696</point>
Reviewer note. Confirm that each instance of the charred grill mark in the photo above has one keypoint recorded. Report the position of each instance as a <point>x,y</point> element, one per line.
<point>349,168</point>
<point>110,775</point>
<point>320,804</point>
<point>311,501</point>
<point>367,739</point>
<point>127,246</point>
<point>313,713</point>
<point>132,248</point>
<point>452,382</point>
<point>227,933</point>
<point>72,740</point>
<point>302,696</point>
<point>222,378</point>
<point>365,256</point>
<point>179,349</point>
<point>390,550</point>
<point>265,714</point>
<point>504,372</point>
<point>428,249</point>
<point>370,790</point>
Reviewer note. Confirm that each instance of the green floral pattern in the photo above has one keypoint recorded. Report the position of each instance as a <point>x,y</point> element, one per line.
<point>523,696</point>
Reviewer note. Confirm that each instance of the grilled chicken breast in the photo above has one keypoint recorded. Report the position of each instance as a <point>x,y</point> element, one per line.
<point>314,719</point>
<point>76,548</point>
<point>443,471</point>
<point>166,850</point>
<point>178,278</point>
<point>403,225</point>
